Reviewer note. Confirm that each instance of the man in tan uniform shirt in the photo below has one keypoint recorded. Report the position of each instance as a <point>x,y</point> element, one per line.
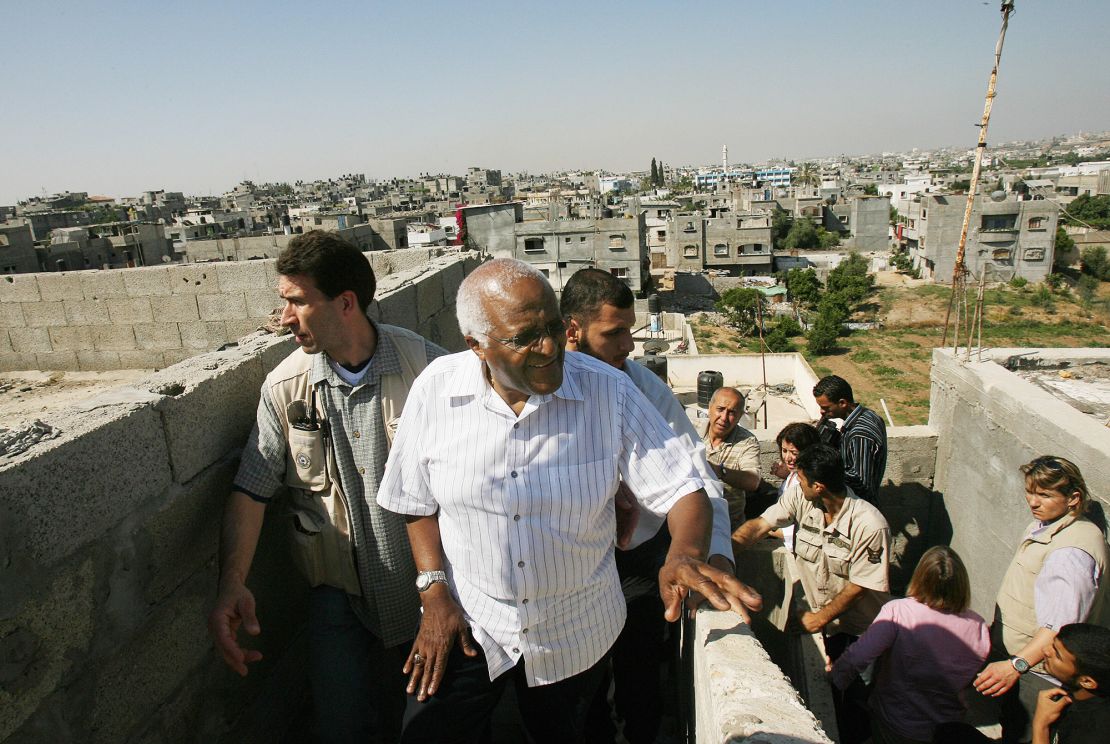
<point>732,450</point>
<point>843,543</point>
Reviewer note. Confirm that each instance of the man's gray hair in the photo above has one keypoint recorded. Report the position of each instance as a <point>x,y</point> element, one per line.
<point>492,278</point>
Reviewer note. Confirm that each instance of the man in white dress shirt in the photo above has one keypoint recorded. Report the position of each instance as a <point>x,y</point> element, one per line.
<point>599,310</point>
<point>506,462</point>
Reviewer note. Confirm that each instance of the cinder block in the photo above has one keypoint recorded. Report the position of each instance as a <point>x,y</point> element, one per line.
<point>11,315</point>
<point>60,286</point>
<point>429,329</point>
<point>450,336</point>
<point>86,312</point>
<point>57,360</point>
<point>30,340</point>
<point>261,302</point>
<point>44,314</point>
<point>19,288</point>
<point>237,329</point>
<point>429,295</point>
<point>85,481</point>
<point>452,275</point>
<point>101,285</point>
<point>277,349</point>
<point>196,437</point>
<point>202,335</point>
<point>159,336</point>
<point>5,341</point>
<point>13,361</point>
<point>148,281</point>
<point>98,361</point>
<point>145,359</point>
<point>71,338</point>
<point>184,534</point>
<point>246,276</point>
<point>175,309</point>
<point>222,306</point>
<point>164,656</point>
<point>130,310</point>
<point>114,338</point>
<point>171,357</point>
<point>44,637</point>
<point>194,279</point>
<point>398,306</point>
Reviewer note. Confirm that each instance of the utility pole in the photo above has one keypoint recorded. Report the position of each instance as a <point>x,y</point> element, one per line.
<point>959,271</point>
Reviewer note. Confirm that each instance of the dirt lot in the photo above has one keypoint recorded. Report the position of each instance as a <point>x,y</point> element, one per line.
<point>892,362</point>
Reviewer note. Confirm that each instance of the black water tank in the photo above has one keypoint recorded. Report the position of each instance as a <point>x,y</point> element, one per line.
<point>654,306</point>
<point>708,382</point>
<point>655,363</point>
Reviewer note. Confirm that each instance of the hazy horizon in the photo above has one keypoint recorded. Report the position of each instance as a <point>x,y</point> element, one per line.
<point>121,98</point>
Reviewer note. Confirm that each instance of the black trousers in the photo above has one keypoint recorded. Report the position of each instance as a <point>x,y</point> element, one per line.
<point>461,710</point>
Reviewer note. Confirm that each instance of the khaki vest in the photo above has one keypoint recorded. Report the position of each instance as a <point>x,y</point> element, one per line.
<point>1016,609</point>
<point>320,527</point>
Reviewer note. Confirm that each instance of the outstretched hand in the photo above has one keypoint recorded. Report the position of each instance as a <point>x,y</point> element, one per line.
<point>682,576</point>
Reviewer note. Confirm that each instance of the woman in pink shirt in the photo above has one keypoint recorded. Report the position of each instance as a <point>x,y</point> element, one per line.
<point>929,647</point>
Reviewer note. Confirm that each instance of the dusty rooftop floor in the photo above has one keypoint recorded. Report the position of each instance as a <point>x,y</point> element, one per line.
<point>25,396</point>
<point>1085,387</point>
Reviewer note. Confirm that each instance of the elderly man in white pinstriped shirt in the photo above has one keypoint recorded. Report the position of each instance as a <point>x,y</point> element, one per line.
<point>506,463</point>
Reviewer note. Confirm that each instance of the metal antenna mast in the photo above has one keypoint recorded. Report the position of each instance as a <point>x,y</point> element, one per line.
<point>959,271</point>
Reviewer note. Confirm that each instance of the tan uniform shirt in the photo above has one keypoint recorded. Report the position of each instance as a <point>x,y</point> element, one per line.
<point>739,451</point>
<point>854,548</point>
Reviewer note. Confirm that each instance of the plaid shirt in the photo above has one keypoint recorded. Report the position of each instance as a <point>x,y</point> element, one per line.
<point>389,605</point>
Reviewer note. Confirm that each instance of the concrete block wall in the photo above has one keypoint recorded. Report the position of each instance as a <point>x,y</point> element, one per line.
<point>108,541</point>
<point>989,423</point>
<point>741,695</point>
<point>154,316</point>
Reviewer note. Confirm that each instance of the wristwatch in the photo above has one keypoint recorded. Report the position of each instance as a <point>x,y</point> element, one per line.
<point>425,579</point>
<point>1020,664</point>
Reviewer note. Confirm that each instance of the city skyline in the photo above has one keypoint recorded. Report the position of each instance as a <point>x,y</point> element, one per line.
<point>122,98</point>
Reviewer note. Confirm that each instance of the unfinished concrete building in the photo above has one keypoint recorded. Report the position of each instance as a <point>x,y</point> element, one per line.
<point>1007,237</point>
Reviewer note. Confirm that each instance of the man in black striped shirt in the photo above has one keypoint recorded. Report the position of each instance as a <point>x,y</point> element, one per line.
<point>862,437</point>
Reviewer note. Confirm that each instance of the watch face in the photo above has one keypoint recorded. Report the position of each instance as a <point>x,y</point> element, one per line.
<point>423,581</point>
<point>1021,664</point>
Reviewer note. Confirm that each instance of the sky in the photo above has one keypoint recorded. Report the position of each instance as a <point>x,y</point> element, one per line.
<point>116,98</point>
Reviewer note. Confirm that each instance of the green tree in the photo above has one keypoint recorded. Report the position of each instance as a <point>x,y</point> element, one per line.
<point>1092,210</point>
<point>781,222</point>
<point>850,278</point>
<point>741,306</point>
<point>1087,289</point>
<point>870,189</point>
<point>802,235</point>
<point>804,286</point>
<point>960,187</point>
<point>777,341</point>
<point>827,238</point>
<point>807,175</point>
<point>788,326</point>
<point>1064,248</point>
<point>1093,262</point>
<point>654,173</point>
<point>659,173</point>
<point>822,336</point>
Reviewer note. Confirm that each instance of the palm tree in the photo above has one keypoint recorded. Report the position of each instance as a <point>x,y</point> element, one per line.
<point>807,175</point>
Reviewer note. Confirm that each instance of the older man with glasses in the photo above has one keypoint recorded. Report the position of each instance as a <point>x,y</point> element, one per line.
<point>506,463</point>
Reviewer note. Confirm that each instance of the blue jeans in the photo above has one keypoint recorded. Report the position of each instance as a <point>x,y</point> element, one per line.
<point>358,690</point>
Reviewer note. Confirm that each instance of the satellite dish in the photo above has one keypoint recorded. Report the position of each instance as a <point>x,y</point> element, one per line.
<point>998,196</point>
<point>656,346</point>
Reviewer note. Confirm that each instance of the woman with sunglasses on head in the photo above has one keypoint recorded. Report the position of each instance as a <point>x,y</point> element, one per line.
<point>792,439</point>
<point>1056,578</point>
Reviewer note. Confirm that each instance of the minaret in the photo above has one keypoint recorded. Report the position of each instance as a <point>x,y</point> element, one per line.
<point>724,158</point>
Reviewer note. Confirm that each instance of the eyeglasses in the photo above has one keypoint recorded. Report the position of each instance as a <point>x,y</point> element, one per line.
<point>527,340</point>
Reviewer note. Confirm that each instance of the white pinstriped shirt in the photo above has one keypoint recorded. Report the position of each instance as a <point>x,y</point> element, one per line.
<point>525,503</point>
